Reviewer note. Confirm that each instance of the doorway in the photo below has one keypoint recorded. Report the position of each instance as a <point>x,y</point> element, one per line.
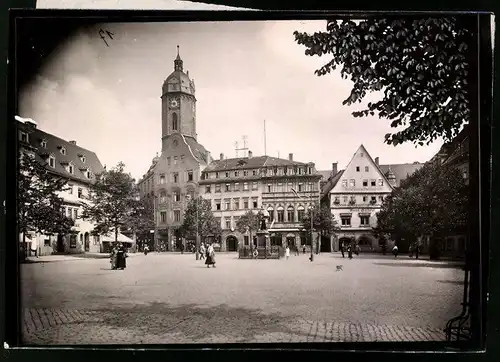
<point>60,244</point>
<point>231,243</point>
<point>87,242</point>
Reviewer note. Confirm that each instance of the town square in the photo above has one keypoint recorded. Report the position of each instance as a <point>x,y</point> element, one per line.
<point>251,206</point>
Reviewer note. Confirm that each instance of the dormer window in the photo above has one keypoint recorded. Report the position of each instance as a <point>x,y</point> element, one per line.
<point>82,158</point>
<point>23,136</point>
<point>52,161</point>
<point>43,143</point>
<point>63,150</point>
<point>71,168</point>
<point>88,174</point>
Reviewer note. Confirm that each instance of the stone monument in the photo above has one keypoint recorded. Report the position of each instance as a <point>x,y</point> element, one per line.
<point>263,240</point>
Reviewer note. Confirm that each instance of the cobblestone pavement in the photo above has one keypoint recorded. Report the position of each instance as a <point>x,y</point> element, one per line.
<point>175,299</point>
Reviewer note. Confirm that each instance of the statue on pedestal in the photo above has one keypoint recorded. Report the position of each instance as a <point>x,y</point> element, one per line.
<point>264,216</point>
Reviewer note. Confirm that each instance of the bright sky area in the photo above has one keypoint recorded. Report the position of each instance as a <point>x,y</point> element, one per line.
<point>107,98</point>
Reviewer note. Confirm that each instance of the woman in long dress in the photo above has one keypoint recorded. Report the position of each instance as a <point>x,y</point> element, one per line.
<point>210,256</point>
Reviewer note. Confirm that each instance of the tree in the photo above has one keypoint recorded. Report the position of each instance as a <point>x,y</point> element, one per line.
<point>40,208</point>
<point>141,219</point>
<point>250,222</point>
<point>421,65</point>
<point>111,201</point>
<point>323,220</point>
<point>432,201</point>
<point>199,220</point>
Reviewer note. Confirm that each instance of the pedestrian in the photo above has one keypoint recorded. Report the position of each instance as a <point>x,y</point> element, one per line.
<point>417,250</point>
<point>297,251</point>
<point>113,257</point>
<point>34,246</point>
<point>395,251</point>
<point>349,251</point>
<point>342,250</point>
<point>182,248</point>
<point>146,249</point>
<point>255,253</point>
<point>121,257</point>
<point>358,249</point>
<point>210,256</point>
<point>304,248</point>
<point>202,251</point>
<point>287,252</point>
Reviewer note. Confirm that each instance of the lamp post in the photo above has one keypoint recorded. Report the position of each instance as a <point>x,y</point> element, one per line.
<point>197,231</point>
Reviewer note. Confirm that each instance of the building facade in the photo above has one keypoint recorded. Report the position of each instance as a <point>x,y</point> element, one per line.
<point>284,187</point>
<point>355,196</point>
<point>78,166</point>
<point>174,175</point>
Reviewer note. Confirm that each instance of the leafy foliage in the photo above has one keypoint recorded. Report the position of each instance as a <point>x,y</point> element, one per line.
<point>141,218</point>
<point>323,220</point>
<point>199,217</point>
<point>434,200</point>
<point>40,208</point>
<point>420,65</point>
<point>111,201</point>
<point>250,222</point>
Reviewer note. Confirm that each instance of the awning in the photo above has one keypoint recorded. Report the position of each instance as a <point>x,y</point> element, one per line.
<point>121,238</point>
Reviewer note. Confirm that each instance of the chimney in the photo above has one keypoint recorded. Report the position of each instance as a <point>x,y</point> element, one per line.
<point>250,154</point>
<point>187,73</point>
<point>73,142</point>
<point>290,156</point>
<point>221,156</point>
<point>377,160</point>
<point>334,168</point>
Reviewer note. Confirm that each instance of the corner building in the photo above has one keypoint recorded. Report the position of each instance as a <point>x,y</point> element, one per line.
<point>237,185</point>
<point>174,175</point>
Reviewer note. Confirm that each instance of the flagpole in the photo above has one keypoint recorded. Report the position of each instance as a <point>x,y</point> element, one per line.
<point>265,140</point>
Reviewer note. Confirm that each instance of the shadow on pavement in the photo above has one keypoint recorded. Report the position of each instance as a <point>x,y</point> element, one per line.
<point>424,265</point>
<point>455,282</point>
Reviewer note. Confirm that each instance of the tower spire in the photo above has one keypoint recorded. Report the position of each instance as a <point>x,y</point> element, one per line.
<point>178,61</point>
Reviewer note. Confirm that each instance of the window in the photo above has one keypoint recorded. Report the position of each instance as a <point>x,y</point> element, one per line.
<point>52,161</point>
<point>301,171</point>
<point>208,189</point>
<point>300,213</point>
<point>63,151</point>
<point>89,174</point>
<point>228,204</point>
<point>177,196</point>
<point>182,158</point>
<point>216,175</point>
<point>82,159</point>
<point>168,160</point>
<point>174,121</point>
<point>255,203</point>
<point>346,220</point>
<point>300,188</point>
<point>310,170</point>
<point>228,187</point>
<point>80,192</point>
<point>70,189</point>
<point>236,204</point>
<point>68,212</point>
<point>46,242</point>
<point>366,168</point>
<point>245,173</point>
<point>163,197</point>
<point>357,168</point>
<point>43,144</point>
<point>290,214</point>
<point>365,183</point>
<point>311,187</point>
<point>217,188</point>
<point>176,177</point>
<point>255,185</point>
<point>364,220</point>
<point>373,183</point>
<point>177,215</point>
<point>374,199</point>
<point>281,214</point>
<point>75,213</point>
<point>254,172</point>
<point>23,136</point>
<point>465,174</point>
<point>175,160</point>
<point>237,186</point>
<point>228,223</point>
<point>344,183</point>
<point>365,198</point>
<point>352,200</point>
<point>245,186</point>
<point>70,169</point>
<point>245,204</point>
<point>72,241</point>
<point>380,182</point>
<point>270,210</point>
<point>218,220</point>
<point>190,175</point>
<point>236,173</point>
<point>352,182</point>
<point>162,179</point>
<point>345,199</point>
<point>269,188</point>
<point>227,174</point>
<point>217,205</point>
<point>381,198</point>
<point>246,240</point>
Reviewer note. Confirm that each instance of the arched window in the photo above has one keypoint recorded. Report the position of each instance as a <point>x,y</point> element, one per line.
<point>290,214</point>
<point>174,122</point>
<point>300,213</point>
<point>270,210</point>
<point>281,214</point>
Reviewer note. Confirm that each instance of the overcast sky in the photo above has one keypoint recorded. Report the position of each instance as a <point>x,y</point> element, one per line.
<point>108,98</point>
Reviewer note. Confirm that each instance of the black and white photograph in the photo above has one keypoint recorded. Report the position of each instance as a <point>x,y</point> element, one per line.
<point>247,181</point>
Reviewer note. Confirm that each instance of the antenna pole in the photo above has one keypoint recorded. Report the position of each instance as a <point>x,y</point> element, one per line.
<point>265,143</point>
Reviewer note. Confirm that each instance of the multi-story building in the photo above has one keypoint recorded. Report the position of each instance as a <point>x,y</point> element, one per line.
<point>174,175</point>
<point>284,187</point>
<point>78,166</point>
<point>355,196</point>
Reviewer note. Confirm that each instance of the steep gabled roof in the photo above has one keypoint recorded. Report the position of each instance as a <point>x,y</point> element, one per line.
<point>73,154</point>
<point>330,184</point>
<point>198,150</point>
<point>401,170</point>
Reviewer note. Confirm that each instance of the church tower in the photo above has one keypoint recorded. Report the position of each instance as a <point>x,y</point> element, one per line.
<point>178,104</point>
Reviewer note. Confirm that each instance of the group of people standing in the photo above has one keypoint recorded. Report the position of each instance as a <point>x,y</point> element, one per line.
<point>350,249</point>
<point>118,257</point>
<point>208,253</point>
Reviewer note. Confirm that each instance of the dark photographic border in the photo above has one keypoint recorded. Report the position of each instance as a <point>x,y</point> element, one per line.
<point>480,168</point>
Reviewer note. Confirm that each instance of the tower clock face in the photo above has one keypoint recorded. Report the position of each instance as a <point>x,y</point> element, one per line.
<point>174,103</point>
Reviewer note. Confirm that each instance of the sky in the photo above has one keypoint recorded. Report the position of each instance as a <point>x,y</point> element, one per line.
<point>129,4</point>
<point>107,98</point>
